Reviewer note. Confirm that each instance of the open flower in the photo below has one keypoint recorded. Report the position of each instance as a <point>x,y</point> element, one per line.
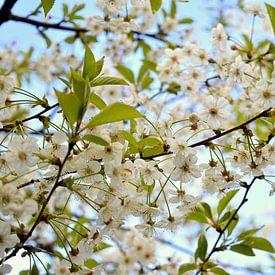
<point>215,111</point>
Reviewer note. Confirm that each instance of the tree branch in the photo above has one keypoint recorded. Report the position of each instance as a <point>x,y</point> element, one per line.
<point>46,25</point>
<point>221,134</point>
<point>244,200</point>
<point>5,11</point>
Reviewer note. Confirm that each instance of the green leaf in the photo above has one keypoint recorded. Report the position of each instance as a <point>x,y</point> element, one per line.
<point>173,9</point>
<point>198,215</point>
<point>89,67</point>
<point>186,21</point>
<point>115,112</point>
<point>233,223</point>
<point>225,217</point>
<point>91,263</point>
<point>146,81</point>
<point>97,101</point>
<point>70,39</point>
<point>101,246</point>
<point>155,5</point>
<point>259,243</point>
<point>46,38</point>
<point>207,210</point>
<point>95,139</point>
<point>34,270</point>
<point>202,247</point>
<point>127,73</point>
<point>47,5</point>
<point>70,105</point>
<point>271,13</point>
<point>248,233</point>
<point>99,66</point>
<point>65,81</point>
<point>186,267</point>
<point>81,87</point>
<point>242,249</point>
<point>129,137</point>
<point>107,80</point>
<point>152,151</point>
<point>149,142</point>
<point>225,200</point>
<point>218,270</point>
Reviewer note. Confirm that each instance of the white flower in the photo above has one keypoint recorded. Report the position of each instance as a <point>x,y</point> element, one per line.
<point>263,94</point>
<point>178,146</point>
<point>112,152</point>
<point>6,84</point>
<point>95,25</point>
<point>111,7</point>
<point>169,25</point>
<point>88,169</point>
<point>219,37</point>
<point>147,171</point>
<point>20,156</point>
<point>7,240</point>
<point>239,72</point>
<point>186,168</point>
<point>215,112</point>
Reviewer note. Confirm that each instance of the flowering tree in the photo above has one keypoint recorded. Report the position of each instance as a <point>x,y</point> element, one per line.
<point>156,135</point>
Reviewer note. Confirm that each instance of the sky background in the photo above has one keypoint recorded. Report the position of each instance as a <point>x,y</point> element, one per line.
<point>22,36</point>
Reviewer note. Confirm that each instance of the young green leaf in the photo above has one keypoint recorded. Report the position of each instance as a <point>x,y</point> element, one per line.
<point>197,214</point>
<point>202,247</point>
<point>207,210</point>
<point>259,243</point>
<point>127,73</point>
<point>152,151</point>
<point>225,200</point>
<point>89,68</point>
<point>186,21</point>
<point>186,267</point>
<point>155,5</point>
<point>218,270</point>
<point>271,13</point>
<point>70,105</point>
<point>242,249</point>
<point>248,233</point>
<point>233,223</point>
<point>173,9</point>
<point>107,80</point>
<point>129,137</point>
<point>97,101</point>
<point>115,112</point>
<point>47,5</point>
<point>99,66</point>
<point>91,263</point>
<point>80,86</point>
<point>149,142</point>
<point>95,139</point>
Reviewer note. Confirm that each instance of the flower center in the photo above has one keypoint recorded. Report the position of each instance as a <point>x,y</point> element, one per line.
<point>266,94</point>
<point>2,85</point>
<point>22,155</point>
<point>213,111</point>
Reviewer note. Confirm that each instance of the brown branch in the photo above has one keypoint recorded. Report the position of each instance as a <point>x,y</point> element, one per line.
<point>77,30</point>
<point>5,11</point>
<point>244,200</point>
<point>219,135</point>
<point>240,126</point>
<point>57,183</point>
<point>46,25</point>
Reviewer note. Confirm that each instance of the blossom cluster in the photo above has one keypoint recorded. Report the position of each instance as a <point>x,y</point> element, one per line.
<point>79,188</point>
